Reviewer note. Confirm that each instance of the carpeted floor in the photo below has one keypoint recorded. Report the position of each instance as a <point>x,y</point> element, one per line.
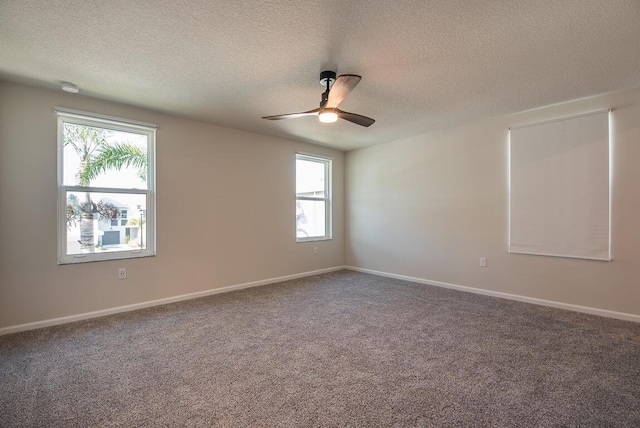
<point>340,349</point>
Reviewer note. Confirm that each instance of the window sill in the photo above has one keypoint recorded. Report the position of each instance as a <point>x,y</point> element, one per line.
<point>314,239</point>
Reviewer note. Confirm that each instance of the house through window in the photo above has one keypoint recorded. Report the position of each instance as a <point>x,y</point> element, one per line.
<point>106,170</point>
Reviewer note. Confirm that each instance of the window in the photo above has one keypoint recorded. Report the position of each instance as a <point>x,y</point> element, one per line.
<point>106,187</point>
<point>313,198</point>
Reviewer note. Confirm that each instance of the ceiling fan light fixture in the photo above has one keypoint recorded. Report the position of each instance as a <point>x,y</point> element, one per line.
<point>328,116</point>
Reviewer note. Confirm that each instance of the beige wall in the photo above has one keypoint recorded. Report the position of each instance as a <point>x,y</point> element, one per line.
<point>426,207</point>
<point>429,206</point>
<point>209,179</point>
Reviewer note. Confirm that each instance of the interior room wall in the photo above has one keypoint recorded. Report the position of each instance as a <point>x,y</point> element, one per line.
<point>225,212</point>
<point>430,206</point>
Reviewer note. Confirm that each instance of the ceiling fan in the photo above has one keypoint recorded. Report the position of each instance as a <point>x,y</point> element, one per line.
<point>328,112</point>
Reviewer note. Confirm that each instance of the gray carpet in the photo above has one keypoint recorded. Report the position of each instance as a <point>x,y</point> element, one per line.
<point>341,349</point>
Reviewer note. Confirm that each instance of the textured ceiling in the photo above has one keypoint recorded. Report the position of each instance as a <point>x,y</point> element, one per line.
<point>426,65</point>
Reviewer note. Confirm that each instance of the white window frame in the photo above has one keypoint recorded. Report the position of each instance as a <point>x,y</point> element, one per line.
<point>117,124</point>
<point>327,199</point>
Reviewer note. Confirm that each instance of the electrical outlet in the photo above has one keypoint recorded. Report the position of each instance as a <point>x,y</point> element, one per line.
<point>315,250</point>
<point>122,273</point>
<point>483,262</point>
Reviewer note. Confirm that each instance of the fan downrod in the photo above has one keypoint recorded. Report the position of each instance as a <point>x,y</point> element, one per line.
<point>326,79</point>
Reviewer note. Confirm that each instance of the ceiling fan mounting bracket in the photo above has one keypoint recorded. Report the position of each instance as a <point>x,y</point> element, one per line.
<point>327,78</point>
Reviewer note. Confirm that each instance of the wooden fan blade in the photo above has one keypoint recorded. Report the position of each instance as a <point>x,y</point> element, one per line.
<point>341,88</point>
<point>313,112</point>
<point>355,118</point>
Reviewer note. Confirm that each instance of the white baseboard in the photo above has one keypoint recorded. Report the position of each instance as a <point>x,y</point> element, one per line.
<point>147,304</point>
<point>535,301</point>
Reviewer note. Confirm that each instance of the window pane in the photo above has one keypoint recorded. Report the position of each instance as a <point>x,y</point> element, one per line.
<point>101,157</point>
<point>310,219</point>
<point>310,179</point>
<point>92,222</point>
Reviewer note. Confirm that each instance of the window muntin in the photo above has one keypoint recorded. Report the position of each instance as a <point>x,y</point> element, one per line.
<point>313,198</point>
<point>106,188</point>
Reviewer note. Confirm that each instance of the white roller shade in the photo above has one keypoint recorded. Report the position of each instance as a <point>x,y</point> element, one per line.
<point>559,188</point>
